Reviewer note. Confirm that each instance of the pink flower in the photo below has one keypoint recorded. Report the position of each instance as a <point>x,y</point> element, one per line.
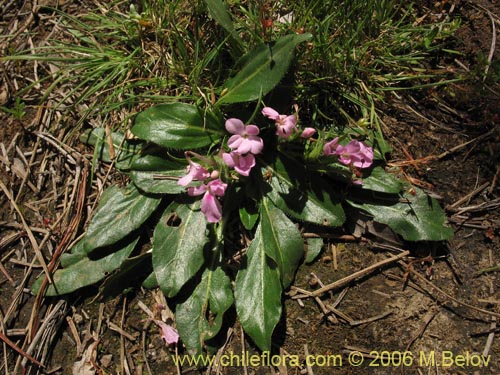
<point>168,333</point>
<point>210,205</point>
<point>245,138</point>
<point>195,172</point>
<point>355,153</point>
<point>286,125</point>
<point>330,148</point>
<point>241,163</point>
<point>308,133</point>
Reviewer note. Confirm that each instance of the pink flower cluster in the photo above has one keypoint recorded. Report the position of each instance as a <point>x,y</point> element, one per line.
<point>210,205</point>
<point>355,153</point>
<point>286,125</point>
<point>244,144</point>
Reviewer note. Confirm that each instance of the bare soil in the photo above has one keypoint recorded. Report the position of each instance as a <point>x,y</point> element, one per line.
<point>434,312</point>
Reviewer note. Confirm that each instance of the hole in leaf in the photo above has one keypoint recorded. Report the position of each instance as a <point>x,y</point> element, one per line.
<point>173,220</point>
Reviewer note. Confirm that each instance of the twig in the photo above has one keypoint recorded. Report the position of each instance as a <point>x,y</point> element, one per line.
<point>494,182</point>
<point>242,335</point>
<point>6,274</point>
<point>491,336</point>
<point>23,353</point>
<point>493,45</point>
<point>308,366</point>
<point>32,239</point>
<point>370,320</point>
<point>356,275</point>
<point>427,319</point>
<point>431,285</point>
<point>58,309</point>
<point>464,199</point>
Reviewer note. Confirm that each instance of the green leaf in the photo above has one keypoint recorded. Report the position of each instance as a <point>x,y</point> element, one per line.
<point>265,66</point>
<point>283,241</point>
<point>150,282</point>
<point>177,125</point>
<point>258,293</point>
<point>120,212</point>
<point>199,318</point>
<point>314,247</point>
<point>125,151</point>
<point>132,271</point>
<point>157,175</point>
<point>74,255</point>
<point>415,218</point>
<point>315,203</point>
<point>161,182</point>
<point>178,243</point>
<point>218,11</point>
<point>248,217</point>
<point>381,181</point>
<point>86,271</point>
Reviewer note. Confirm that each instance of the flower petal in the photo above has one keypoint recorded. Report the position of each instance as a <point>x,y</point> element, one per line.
<point>235,141</point>
<point>331,147</point>
<point>229,159</point>
<point>197,190</point>
<point>168,333</point>
<point>217,187</point>
<point>211,207</point>
<point>271,113</point>
<point>235,126</point>
<point>252,130</point>
<point>308,132</point>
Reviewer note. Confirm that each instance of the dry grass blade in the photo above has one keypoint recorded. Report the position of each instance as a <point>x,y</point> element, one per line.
<point>31,237</point>
<point>6,340</point>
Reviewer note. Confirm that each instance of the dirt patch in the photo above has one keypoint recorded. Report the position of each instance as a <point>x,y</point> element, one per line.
<point>423,312</point>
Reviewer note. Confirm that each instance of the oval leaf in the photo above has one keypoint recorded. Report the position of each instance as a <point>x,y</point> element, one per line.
<point>211,298</point>
<point>315,203</point>
<point>265,66</point>
<point>283,241</point>
<point>415,218</point>
<point>85,271</point>
<point>178,242</point>
<point>120,212</point>
<point>258,293</point>
<point>381,181</point>
<point>177,125</point>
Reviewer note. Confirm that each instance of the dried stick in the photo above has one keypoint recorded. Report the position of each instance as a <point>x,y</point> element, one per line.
<point>32,239</point>
<point>356,275</point>
<point>428,283</point>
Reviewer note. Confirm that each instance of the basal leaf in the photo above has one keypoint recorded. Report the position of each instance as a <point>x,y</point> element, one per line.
<point>161,182</point>
<point>86,271</point>
<point>415,217</point>
<point>178,242</point>
<point>248,217</point>
<point>75,254</point>
<point>125,152</point>
<point>177,125</point>
<point>258,293</point>
<point>304,196</point>
<point>283,241</point>
<point>265,66</point>
<point>157,175</point>
<point>120,212</point>
<point>199,318</point>
<point>381,181</point>
<point>314,247</point>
